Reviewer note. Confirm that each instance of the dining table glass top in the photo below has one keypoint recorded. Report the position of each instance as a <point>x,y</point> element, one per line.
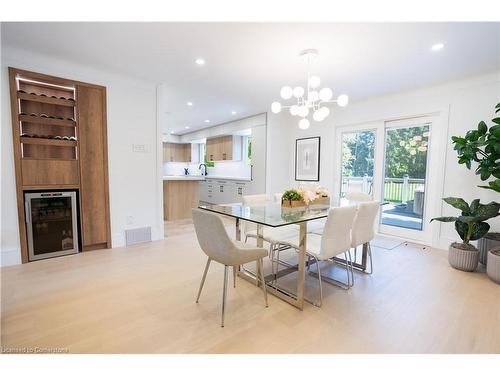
<point>270,214</point>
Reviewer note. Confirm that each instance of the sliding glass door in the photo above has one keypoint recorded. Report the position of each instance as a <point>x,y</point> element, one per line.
<point>358,156</point>
<point>389,161</point>
<point>405,171</point>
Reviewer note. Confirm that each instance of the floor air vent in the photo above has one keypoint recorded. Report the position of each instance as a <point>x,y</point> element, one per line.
<point>137,235</point>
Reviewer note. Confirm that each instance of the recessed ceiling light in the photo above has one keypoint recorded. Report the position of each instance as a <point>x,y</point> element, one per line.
<point>186,127</point>
<point>190,104</point>
<point>172,132</point>
<point>200,61</point>
<point>437,46</point>
<point>207,121</point>
<point>233,112</point>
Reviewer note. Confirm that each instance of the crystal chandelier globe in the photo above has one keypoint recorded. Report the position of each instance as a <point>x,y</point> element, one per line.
<point>310,101</point>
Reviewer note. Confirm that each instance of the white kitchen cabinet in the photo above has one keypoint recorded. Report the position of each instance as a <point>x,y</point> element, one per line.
<point>218,191</point>
<point>203,191</point>
<point>241,189</point>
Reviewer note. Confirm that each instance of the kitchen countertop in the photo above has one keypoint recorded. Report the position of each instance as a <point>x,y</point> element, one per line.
<point>183,178</point>
<point>201,178</point>
<point>228,178</point>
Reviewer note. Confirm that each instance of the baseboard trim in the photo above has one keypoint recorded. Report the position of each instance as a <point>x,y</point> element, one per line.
<point>10,257</point>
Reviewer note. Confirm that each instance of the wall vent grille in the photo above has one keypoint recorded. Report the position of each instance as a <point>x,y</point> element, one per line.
<point>137,235</point>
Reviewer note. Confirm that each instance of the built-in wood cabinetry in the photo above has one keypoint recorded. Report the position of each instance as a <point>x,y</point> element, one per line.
<point>60,143</point>
<point>178,152</point>
<point>179,198</point>
<point>224,148</point>
<point>91,118</point>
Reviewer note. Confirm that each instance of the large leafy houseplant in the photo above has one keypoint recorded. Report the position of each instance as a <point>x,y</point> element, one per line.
<point>471,224</point>
<point>482,145</point>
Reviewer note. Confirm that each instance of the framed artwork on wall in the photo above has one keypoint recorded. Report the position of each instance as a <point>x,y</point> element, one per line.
<point>307,159</point>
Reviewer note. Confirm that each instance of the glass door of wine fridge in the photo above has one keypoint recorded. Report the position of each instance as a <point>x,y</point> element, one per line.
<point>51,223</point>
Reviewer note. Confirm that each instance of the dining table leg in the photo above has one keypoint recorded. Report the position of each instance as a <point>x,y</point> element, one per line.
<point>364,256</point>
<point>296,299</point>
<point>238,229</point>
<point>301,277</point>
<point>260,243</point>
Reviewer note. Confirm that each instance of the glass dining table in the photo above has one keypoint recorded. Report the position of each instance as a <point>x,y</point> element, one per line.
<point>273,215</point>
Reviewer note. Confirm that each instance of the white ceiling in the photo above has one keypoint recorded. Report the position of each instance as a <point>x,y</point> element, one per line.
<point>247,63</point>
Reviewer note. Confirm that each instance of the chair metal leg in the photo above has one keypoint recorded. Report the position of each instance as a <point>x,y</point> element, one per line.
<point>350,263</point>
<point>320,284</point>
<point>347,271</point>
<point>271,257</point>
<point>224,293</point>
<point>203,279</point>
<point>235,270</point>
<point>263,281</point>
<point>370,255</point>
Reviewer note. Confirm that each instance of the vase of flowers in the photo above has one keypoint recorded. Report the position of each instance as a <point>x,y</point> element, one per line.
<point>305,196</point>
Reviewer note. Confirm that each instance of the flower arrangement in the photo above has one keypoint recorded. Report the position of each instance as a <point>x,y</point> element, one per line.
<point>305,195</point>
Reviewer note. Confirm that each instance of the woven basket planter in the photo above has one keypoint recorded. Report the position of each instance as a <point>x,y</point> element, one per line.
<point>487,243</point>
<point>463,260</point>
<point>318,201</point>
<point>292,204</point>
<point>493,267</point>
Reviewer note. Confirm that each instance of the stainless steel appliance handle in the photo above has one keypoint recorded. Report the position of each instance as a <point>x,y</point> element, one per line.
<point>27,212</point>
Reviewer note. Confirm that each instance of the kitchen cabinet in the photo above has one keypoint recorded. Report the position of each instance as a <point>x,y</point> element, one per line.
<point>94,204</point>
<point>224,148</point>
<point>203,191</point>
<point>222,191</point>
<point>179,198</point>
<point>177,152</point>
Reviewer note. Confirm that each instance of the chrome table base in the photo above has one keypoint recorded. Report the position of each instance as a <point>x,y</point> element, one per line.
<point>296,299</point>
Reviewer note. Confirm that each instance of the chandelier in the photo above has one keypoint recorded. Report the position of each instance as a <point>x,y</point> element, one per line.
<point>311,99</point>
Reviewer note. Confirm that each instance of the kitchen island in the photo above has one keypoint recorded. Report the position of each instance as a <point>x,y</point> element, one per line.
<point>180,195</point>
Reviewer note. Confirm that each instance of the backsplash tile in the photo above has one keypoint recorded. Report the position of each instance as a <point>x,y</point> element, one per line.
<point>225,168</point>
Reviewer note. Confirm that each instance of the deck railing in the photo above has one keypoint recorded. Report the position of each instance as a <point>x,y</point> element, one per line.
<point>395,189</point>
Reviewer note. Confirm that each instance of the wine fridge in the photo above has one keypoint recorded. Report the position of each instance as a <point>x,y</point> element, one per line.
<point>51,221</point>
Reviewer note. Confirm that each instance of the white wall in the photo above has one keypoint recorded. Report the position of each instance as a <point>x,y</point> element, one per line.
<point>461,104</point>
<point>133,177</point>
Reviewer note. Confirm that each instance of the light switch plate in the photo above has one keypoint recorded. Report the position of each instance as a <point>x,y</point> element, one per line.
<point>139,148</point>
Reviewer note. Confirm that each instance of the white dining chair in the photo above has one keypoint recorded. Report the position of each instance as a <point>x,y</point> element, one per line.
<point>277,197</point>
<point>216,244</point>
<point>356,196</point>
<point>335,240</point>
<point>363,230</point>
<point>353,198</point>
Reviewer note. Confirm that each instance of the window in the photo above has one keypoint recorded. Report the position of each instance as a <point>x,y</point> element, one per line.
<point>203,156</point>
<point>247,150</point>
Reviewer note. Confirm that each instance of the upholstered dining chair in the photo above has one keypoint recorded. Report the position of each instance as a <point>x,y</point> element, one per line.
<point>335,240</point>
<point>363,228</point>
<point>356,196</point>
<point>216,244</point>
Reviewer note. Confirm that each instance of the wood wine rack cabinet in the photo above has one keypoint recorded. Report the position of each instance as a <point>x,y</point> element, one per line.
<point>60,143</point>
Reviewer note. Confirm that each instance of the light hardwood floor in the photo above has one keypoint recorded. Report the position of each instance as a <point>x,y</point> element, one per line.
<point>140,299</point>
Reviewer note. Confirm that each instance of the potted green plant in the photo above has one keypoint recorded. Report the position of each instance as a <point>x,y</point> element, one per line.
<point>493,267</point>
<point>482,145</point>
<point>470,225</point>
<point>292,198</point>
